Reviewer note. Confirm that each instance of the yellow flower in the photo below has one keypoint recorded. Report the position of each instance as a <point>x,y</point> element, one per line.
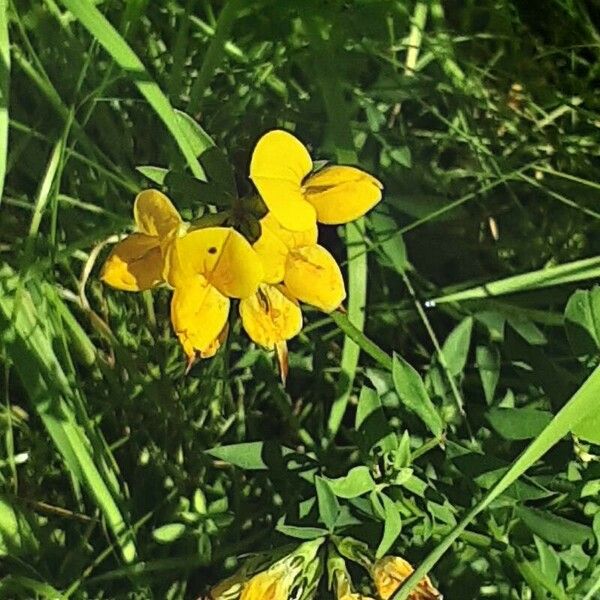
<point>271,316</point>
<point>279,168</point>
<point>273,584</point>
<point>294,572</point>
<point>137,263</point>
<point>341,580</point>
<point>205,267</point>
<point>295,268</point>
<point>390,572</point>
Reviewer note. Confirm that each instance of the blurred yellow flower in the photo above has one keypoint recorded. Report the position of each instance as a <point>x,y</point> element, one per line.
<point>341,581</point>
<point>273,584</point>
<point>294,573</point>
<point>279,168</point>
<point>137,262</point>
<point>390,572</point>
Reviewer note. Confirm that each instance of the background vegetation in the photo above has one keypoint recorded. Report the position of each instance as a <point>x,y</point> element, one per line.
<point>123,477</point>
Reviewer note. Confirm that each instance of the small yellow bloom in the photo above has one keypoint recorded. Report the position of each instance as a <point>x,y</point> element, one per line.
<point>342,194</point>
<point>271,316</point>
<point>295,268</point>
<point>136,263</point>
<point>274,584</point>
<point>308,270</point>
<point>313,276</point>
<point>221,255</point>
<point>390,572</point>
<point>279,168</point>
<point>205,267</point>
<point>199,314</point>
<point>274,245</point>
<point>341,580</point>
<point>293,573</point>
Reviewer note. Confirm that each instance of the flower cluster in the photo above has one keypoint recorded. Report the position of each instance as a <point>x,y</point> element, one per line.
<point>297,575</point>
<point>206,267</point>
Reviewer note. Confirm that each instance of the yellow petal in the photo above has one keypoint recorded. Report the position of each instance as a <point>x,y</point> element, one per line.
<point>220,254</point>
<point>390,572</point>
<point>214,346</point>
<point>279,164</point>
<point>155,214</point>
<point>135,264</point>
<point>313,276</point>
<point>270,316</point>
<point>199,314</point>
<point>274,244</point>
<point>268,585</point>
<point>341,194</point>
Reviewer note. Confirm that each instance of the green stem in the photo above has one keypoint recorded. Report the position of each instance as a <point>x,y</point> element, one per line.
<point>436,344</point>
<point>361,340</point>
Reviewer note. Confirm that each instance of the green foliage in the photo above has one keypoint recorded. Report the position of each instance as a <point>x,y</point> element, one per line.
<point>450,416</point>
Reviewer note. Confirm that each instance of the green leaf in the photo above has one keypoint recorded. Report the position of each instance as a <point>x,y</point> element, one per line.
<point>392,526</point>
<point>582,321</point>
<point>168,533</point>
<point>371,423</point>
<point>390,240</point>
<point>16,535</point>
<point>527,329</point>
<point>329,507</point>
<point>402,156</point>
<point>301,533</point>
<point>488,364</point>
<point>518,423</point>
<point>552,528</point>
<point>248,455</point>
<point>199,502</point>
<point>549,560</point>
<point>588,429</point>
<point>199,141</point>
<point>357,482</point>
<point>357,297</point>
<point>456,346</point>
<point>155,174</point>
<point>411,390</point>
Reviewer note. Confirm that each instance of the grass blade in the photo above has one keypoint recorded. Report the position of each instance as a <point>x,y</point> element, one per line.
<point>4,90</point>
<point>214,54</point>
<point>31,349</point>
<point>578,270</point>
<point>578,408</point>
<point>97,24</point>
<point>339,123</point>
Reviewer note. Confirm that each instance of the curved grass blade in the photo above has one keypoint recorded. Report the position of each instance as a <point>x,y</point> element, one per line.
<point>578,270</point>
<point>97,24</point>
<point>578,408</point>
